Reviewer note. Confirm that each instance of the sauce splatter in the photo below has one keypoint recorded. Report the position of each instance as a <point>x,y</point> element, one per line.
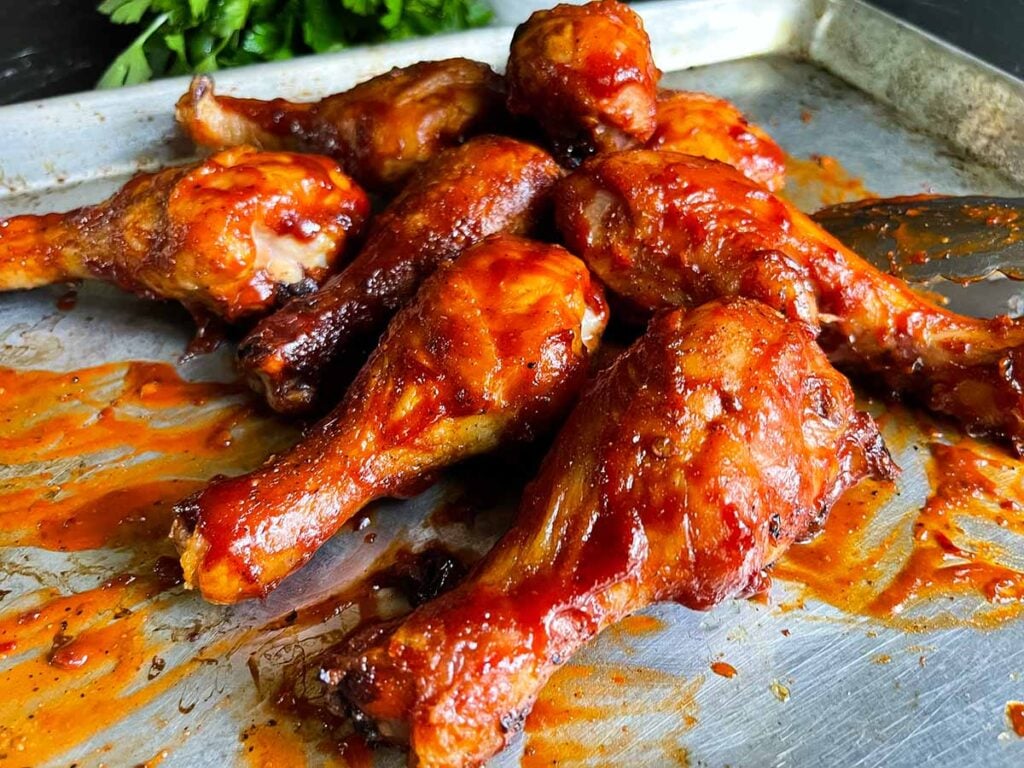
<point>96,457</point>
<point>271,744</point>
<point>723,669</point>
<point>821,180</point>
<point>1015,714</point>
<point>559,729</point>
<point>956,561</point>
<point>79,660</point>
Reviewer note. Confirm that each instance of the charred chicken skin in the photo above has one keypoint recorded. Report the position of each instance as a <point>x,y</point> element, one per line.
<point>585,73</point>
<point>714,442</point>
<point>494,347</point>
<point>663,229</point>
<point>707,126</point>
<point>488,185</point>
<point>232,236</point>
<point>380,131</point>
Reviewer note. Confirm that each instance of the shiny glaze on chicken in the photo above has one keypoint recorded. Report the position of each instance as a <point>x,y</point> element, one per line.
<point>380,131</point>
<point>585,73</point>
<point>700,124</point>
<point>494,348</point>
<point>686,469</point>
<point>233,235</point>
<point>663,229</point>
<point>490,184</point>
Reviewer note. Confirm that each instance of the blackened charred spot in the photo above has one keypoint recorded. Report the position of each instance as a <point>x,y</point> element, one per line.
<point>187,511</point>
<point>303,287</point>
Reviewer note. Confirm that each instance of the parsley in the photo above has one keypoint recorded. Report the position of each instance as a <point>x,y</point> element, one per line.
<point>182,36</point>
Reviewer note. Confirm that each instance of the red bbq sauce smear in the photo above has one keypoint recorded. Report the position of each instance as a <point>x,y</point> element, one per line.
<point>881,572</point>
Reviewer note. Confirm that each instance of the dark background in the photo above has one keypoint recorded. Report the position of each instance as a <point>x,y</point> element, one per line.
<point>48,47</point>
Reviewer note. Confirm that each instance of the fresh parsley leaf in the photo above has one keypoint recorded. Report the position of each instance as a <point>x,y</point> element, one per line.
<point>132,66</point>
<point>125,11</point>
<point>204,35</point>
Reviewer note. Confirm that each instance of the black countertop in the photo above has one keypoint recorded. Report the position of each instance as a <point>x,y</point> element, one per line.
<point>49,47</point>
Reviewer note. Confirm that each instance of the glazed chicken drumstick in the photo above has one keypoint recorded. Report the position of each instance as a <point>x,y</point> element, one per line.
<point>380,130</point>
<point>585,73</point>
<point>686,469</point>
<point>494,348</point>
<point>663,229</point>
<point>699,124</point>
<point>232,236</point>
<point>490,184</point>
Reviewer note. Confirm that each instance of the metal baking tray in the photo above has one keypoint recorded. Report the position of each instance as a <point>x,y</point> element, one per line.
<point>816,685</point>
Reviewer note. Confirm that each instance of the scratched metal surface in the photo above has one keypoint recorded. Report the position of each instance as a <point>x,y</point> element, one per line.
<point>842,709</point>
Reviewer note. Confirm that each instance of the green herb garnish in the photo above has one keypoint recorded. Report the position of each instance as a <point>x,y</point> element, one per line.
<point>182,36</point>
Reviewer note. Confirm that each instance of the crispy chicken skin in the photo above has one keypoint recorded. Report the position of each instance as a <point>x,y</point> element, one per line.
<point>380,130</point>
<point>232,236</point>
<point>700,124</point>
<point>719,438</point>
<point>585,73</point>
<point>663,229</point>
<point>488,185</point>
<point>494,347</point>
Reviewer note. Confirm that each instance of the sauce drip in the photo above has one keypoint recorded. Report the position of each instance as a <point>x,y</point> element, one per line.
<point>559,729</point>
<point>950,563</point>
<point>723,669</point>
<point>1015,714</point>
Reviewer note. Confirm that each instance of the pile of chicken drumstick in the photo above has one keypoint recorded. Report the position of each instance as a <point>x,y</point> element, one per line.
<point>475,301</point>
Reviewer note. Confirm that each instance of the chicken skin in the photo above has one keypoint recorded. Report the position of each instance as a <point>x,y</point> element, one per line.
<point>380,131</point>
<point>663,229</point>
<point>488,185</point>
<point>231,236</point>
<point>494,348</point>
<point>707,126</point>
<point>585,73</point>
<point>686,469</point>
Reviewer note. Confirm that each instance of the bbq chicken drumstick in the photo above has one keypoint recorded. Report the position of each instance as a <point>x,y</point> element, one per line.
<point>488,185</point>
<point>585,73</point>
<point>233,235</point>
<point>686,469</point>
<point>380,131</point>
<point>700,124</point>
<point>494,348</point>
<point>663,229</point>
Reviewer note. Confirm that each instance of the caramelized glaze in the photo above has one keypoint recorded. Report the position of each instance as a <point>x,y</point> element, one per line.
<point>233,235</point>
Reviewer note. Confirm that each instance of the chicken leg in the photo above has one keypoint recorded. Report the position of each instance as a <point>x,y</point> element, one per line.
<point>380,130</point>
<point>663,229</point>
<point>233,235</point>
<point>686,469</point>
<point>585,73</point>
<point>494,348</point>
<point>700,124</point>
<point>488,185</point>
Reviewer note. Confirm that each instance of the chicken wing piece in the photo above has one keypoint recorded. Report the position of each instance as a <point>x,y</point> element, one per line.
<point>488,185</point>
<point>380,131</point>
<point>585,73</point>
<point>719,438</point>
<point>233,235</point>
<point>494,348</point>
<point>707,126</point>
<point>663,229</point>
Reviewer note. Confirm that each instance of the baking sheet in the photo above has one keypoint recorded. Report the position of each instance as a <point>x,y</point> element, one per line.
<point>837,689</point>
